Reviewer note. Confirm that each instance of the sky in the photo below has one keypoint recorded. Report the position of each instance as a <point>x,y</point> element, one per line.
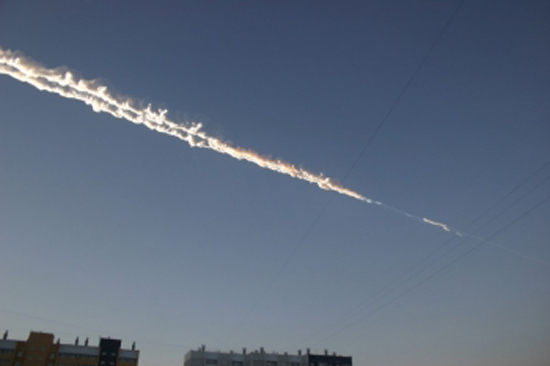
<point>435,108</point>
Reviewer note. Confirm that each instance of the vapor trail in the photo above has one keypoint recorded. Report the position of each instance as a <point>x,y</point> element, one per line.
<point>63,82</point>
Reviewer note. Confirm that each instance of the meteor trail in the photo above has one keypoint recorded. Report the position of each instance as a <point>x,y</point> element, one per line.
<point>64,83</point>
<point>443,226</point>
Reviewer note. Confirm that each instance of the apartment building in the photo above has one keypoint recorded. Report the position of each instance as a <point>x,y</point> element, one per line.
<point>41,350</point>
<point>202,357</point>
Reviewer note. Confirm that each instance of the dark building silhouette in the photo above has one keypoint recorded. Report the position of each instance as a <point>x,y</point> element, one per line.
<point>328,360</point>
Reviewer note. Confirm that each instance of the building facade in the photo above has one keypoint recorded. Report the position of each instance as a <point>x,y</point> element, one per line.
<point>41,350</point>
<point>202,357</point>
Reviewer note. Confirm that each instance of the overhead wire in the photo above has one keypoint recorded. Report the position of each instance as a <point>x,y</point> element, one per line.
<point>486,241</point>
<point>402,279</point>
<point>433,275</point>
<point>512,191</point>
<point>483,170</point>
<point>406,87</point>
<point>356,161</point>
<point>270,285</point>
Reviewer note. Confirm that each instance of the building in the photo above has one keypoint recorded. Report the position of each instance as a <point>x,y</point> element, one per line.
<point>40,350</point>
<point>201,357</point>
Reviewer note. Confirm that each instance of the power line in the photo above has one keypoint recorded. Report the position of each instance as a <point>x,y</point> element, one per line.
<point>512,191</point>
<point>464,255</point>
<point>405,88</point>
<point>378,295</point>
<point>371,139</point>
<point>286,262</point>
<point>516,200</point>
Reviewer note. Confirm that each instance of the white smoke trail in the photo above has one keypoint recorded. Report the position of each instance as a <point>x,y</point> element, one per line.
<point>65,83</point>
<point>431,222</point>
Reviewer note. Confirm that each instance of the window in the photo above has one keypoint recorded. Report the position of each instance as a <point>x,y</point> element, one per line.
<point>210,361</point>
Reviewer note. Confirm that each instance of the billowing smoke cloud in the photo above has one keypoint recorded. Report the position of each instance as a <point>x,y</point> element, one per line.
<point>65,83</point>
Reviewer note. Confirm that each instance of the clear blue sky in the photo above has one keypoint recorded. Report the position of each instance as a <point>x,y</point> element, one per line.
<point>109,229</point>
